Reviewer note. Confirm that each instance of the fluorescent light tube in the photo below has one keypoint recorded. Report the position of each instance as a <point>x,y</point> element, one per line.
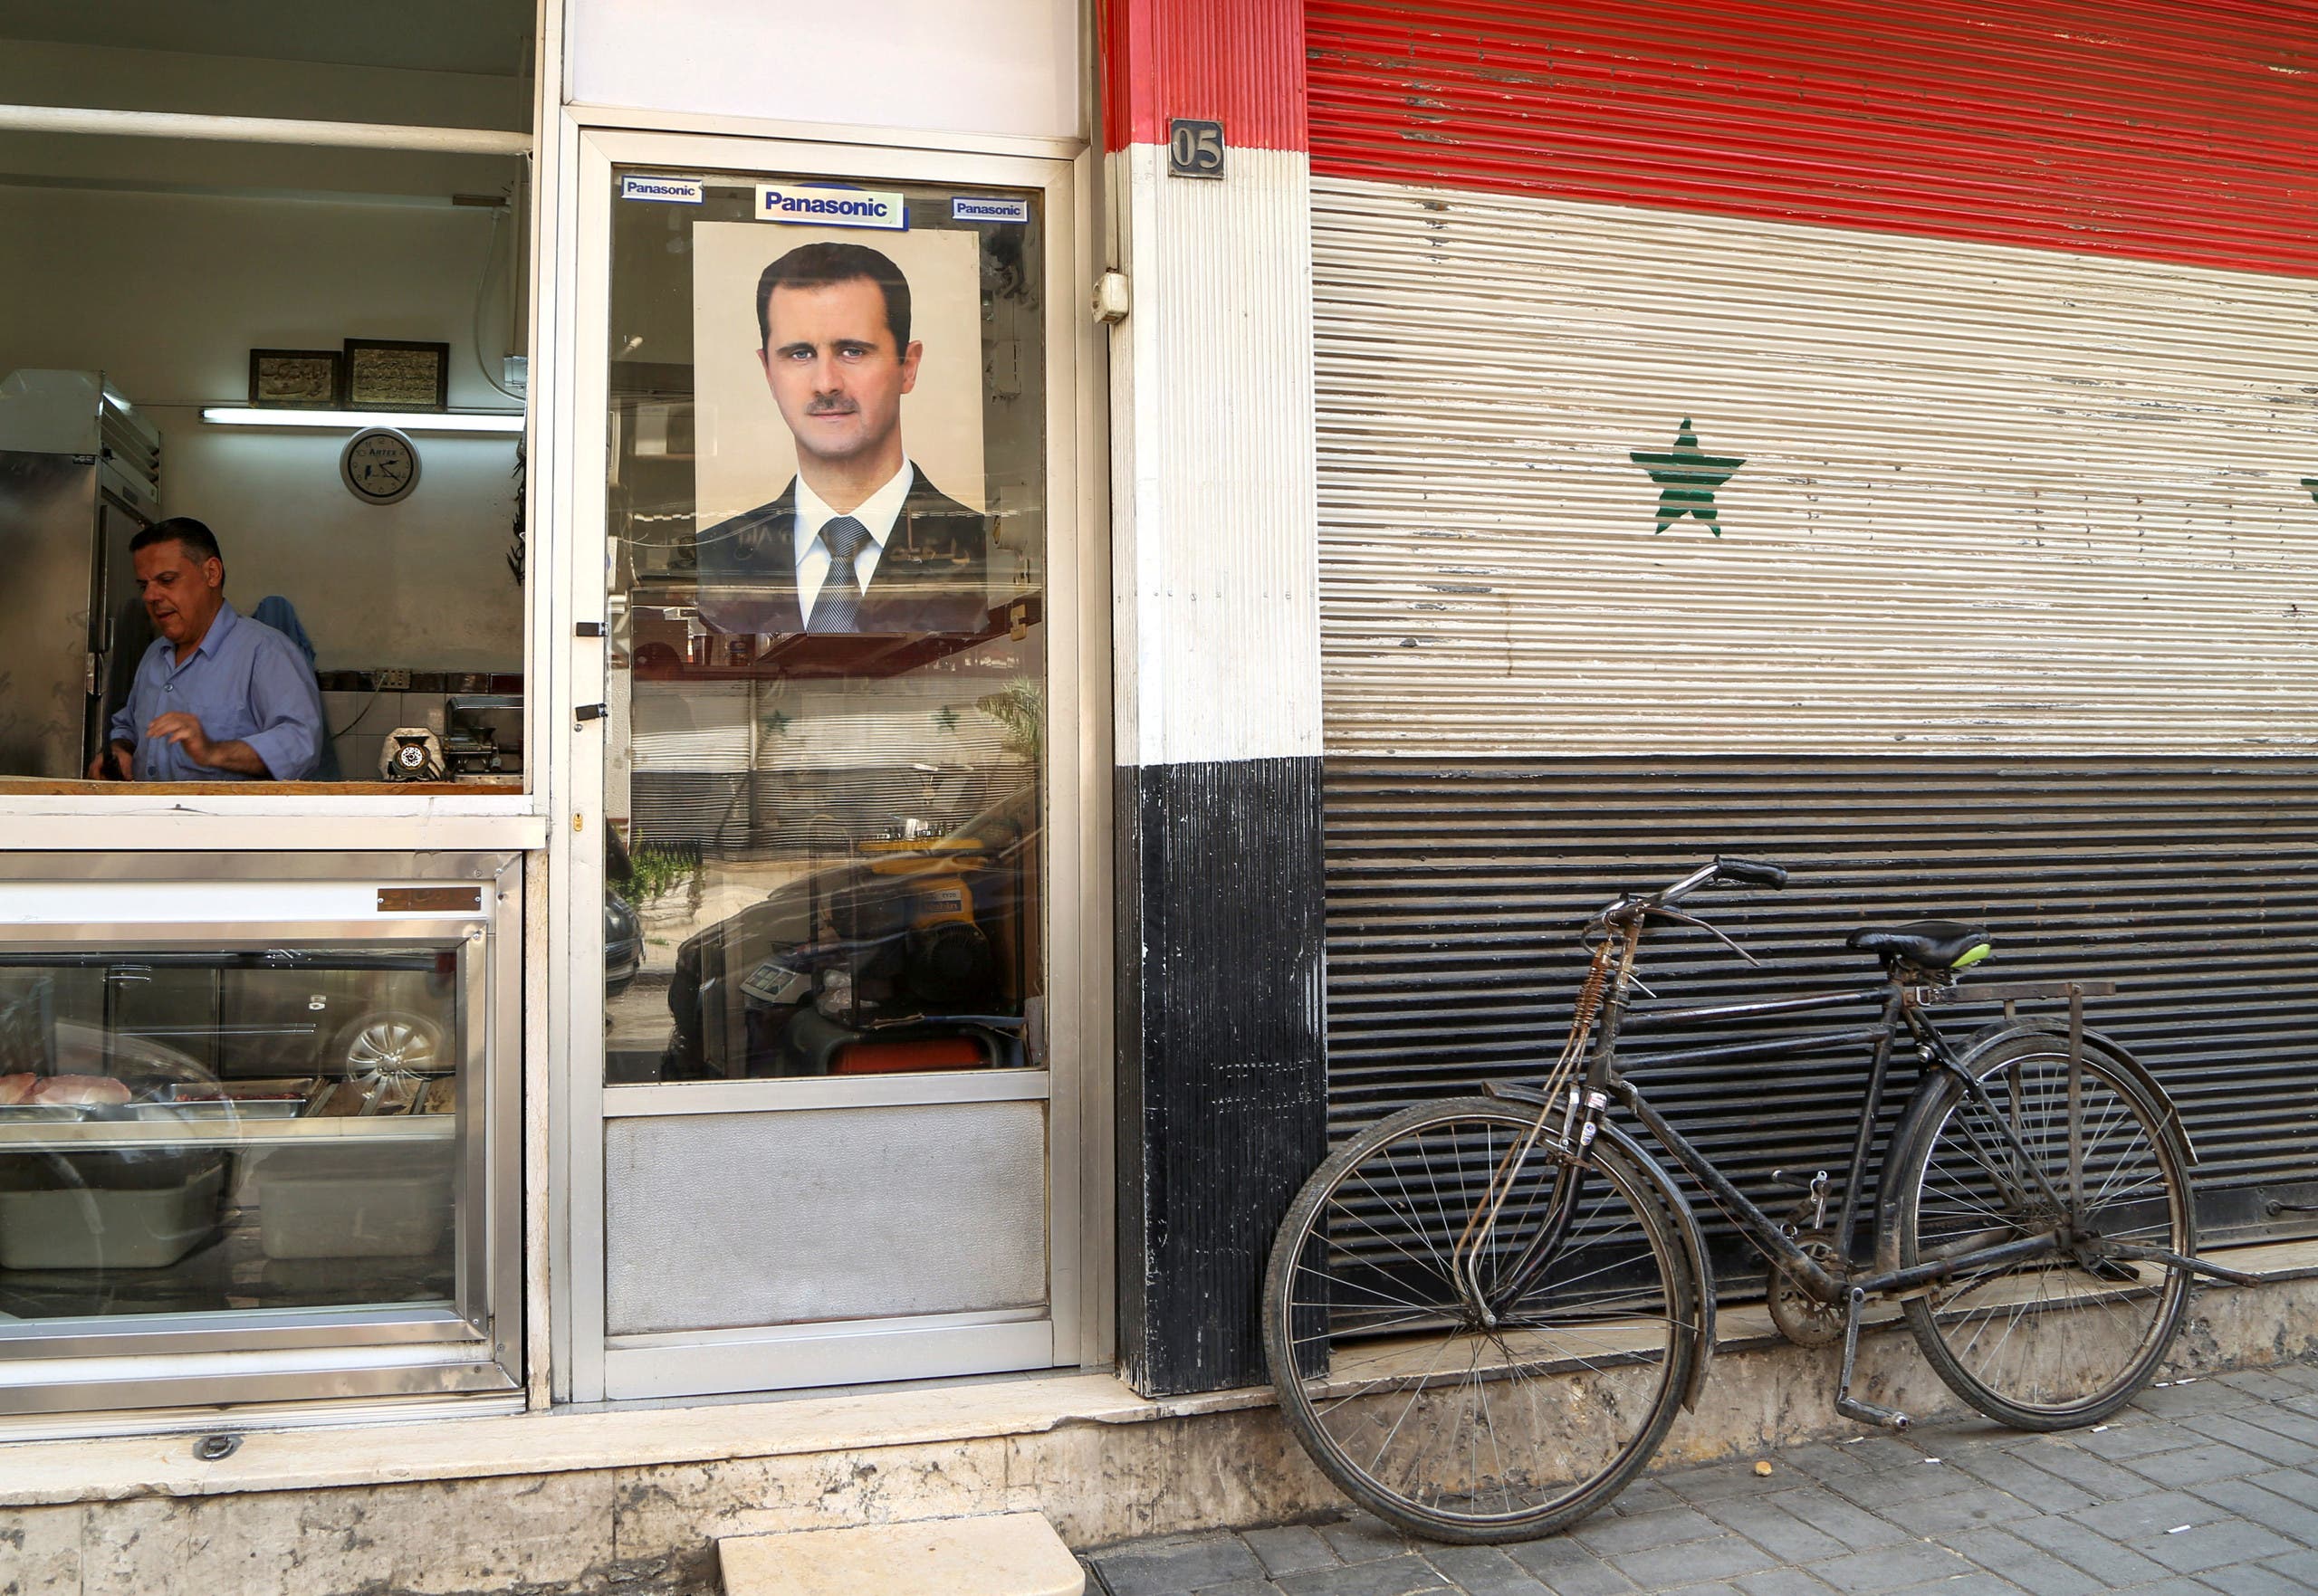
<point>354,420</point>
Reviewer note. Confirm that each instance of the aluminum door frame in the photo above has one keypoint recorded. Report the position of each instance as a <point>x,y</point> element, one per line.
<point>1077,1328</point>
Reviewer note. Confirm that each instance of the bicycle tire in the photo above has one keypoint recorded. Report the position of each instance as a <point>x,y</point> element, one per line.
<point>2063,1340</point>
<point>1386,1380</point>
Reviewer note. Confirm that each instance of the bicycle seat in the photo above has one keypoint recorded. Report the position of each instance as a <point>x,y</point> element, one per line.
<point>1929,944</point>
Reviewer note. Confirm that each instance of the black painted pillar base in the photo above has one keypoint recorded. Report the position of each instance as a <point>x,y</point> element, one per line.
<point>1222,1078</point>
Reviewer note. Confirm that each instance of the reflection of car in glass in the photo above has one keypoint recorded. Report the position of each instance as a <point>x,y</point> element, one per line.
<point>907,951</point>
<point>623,944</point>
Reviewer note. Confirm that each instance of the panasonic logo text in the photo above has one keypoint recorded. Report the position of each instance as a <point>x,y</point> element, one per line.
<point>831,207</point>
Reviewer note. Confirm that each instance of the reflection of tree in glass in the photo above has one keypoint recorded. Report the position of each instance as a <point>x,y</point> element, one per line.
<point>657,867</point>
<point>1020,707</point>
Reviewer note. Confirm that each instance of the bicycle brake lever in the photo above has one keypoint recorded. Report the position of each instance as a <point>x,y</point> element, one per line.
<point>1702,926</point>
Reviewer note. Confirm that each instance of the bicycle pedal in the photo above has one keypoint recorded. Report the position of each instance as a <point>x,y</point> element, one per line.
<point>1869,1413</point>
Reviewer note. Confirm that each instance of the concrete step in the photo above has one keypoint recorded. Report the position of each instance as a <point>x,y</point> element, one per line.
<point>1002,1555</point>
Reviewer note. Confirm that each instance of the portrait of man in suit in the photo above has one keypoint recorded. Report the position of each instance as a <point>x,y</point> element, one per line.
<point>860,540</point>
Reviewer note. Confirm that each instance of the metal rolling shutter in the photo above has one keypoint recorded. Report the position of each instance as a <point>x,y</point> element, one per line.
<point>1455,894</point>
<point>1994,328</point>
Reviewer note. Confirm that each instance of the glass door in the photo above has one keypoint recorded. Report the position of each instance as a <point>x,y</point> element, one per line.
<point>837,421</point>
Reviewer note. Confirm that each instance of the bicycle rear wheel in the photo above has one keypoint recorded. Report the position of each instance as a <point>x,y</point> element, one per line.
<point>2064,1339</point>
<point>1438,1423</point>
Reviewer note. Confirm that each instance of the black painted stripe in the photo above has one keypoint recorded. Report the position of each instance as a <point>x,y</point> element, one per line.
<point>1222,1080</point>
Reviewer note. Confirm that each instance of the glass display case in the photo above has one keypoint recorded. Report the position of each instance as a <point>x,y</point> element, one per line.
<point>257,1114</point>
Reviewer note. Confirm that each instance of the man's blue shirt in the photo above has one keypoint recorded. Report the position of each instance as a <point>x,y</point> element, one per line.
<point>245,682</point>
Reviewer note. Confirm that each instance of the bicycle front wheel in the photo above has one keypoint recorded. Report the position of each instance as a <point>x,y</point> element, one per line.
<point>1467,1423</point>
<point>2063,1339</point>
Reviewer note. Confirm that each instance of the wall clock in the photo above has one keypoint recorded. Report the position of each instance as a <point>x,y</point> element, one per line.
<point>379,465</point>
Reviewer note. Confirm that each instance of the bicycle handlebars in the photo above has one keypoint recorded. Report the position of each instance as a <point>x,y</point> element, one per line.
<point>1714,872</point>
<point>1751,872</point>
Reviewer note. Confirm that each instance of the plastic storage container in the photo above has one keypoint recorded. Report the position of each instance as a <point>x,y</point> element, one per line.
<point>354,1202</point>
<point>81,1221</point>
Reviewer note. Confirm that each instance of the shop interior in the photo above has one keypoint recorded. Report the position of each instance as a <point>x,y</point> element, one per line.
<point>146,276</point>
<point>252,1123</point>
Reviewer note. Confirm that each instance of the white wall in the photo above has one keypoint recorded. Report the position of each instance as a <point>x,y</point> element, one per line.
<point>168,292</point>
<point>954,66</point>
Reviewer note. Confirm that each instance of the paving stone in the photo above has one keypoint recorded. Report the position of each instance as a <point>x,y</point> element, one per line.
<point>1978,1583</point>
<point>2038,1572</point>
<point>1784,1582</point>
<point>2136,1518</point>
<point>1290,1550</point>
<point>1737,1478</point>
<point>1889,1568</point>
<point>1483,1570</point>
<point>2074,1466</point>
<point>1890,1488</point>
<point>2245,1431</point>
<point>2018,1476</point>
<point>1693,1562</point>
<point>2190,1466</point>
<point>1937,1517</point>
<point>2120,1441</point>
<point>2296,1566</point>
<point>1407,1575</point>
<point>1240,1588</point>
<point>1607,1536</point>
<point>2198,1396</point>
<point>2115,1566</point>
<point>1364,1538</point>
<point>1831,1515</point>
<point>2249,1579</point>
<point>2277,1420</point>
<point>1714,1588</point>
<point>1768,1524</point>
<point>1825,1460</point>
<point>2250,1502</point>
<point>1177,1564</point>
<point>1568,1569</point>
<point>2295,1484</point>
<point>2206,1546</point>
<point>1645,1496</point>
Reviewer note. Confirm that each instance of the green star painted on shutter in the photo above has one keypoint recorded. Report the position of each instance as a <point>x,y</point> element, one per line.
<point>1687,477</point>
<point>2312,484</point>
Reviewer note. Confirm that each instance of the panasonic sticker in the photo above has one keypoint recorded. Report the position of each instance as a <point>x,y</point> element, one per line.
<point>831,207</point>
<point>964,209</point>
<point>667,190</point>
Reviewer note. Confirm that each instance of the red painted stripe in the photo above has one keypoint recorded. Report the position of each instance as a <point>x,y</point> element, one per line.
<point>2179,131</point>
<point>1237,61</point>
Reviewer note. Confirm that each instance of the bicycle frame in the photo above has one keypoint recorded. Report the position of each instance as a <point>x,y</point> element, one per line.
<point>1901,1015</point>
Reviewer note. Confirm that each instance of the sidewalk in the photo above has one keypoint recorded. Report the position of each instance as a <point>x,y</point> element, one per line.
<point>2202,1486</point>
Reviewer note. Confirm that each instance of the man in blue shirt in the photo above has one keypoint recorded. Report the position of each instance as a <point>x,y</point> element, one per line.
<point>218,697</point>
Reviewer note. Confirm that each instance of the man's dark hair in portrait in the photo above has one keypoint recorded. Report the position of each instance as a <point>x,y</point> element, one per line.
<point>859,540</point>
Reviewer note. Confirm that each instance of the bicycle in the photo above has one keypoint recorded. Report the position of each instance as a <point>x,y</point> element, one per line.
<point>1482,1314</point>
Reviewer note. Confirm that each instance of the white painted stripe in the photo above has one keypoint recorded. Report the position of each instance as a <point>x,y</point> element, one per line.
<point>1216,612</point>
<point>1992,496</point>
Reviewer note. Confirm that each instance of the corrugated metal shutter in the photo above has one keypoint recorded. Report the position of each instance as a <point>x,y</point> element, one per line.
<point>1840,397</point>
<point>1455,894</point>
<point>1987,495</point>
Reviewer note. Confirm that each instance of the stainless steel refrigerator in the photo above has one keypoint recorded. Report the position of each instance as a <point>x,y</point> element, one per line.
<point>80,474</point>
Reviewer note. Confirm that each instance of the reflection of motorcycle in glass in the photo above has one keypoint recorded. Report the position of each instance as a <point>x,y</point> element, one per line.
<point>901,958</point>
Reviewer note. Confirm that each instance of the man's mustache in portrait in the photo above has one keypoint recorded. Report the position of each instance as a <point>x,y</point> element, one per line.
<point>835,405</point>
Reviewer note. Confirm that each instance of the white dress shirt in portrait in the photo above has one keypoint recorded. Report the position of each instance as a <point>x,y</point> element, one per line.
<point>877,515</point>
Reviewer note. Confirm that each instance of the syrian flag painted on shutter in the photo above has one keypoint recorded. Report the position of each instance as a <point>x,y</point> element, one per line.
<point>1880,381</point>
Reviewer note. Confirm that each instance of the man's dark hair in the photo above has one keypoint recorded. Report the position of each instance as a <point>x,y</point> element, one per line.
<point>820,265</point>
<point>199,542</point>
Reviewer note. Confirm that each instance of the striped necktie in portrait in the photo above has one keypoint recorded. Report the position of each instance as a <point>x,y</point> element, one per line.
<point>837,607</point>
